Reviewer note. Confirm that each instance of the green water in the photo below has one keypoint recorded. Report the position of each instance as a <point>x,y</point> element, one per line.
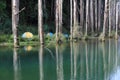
<point>90,60</point>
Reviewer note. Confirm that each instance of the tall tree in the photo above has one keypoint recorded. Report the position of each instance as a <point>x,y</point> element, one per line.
<point>117,15</point>
<point>58,19</point>
<point>81,14</point>
<point>102,36</point>
<point>92,15</point>
<point>40,28</point>
<point>87,17</point>
<point>71,18</point>
<point>15,20</point>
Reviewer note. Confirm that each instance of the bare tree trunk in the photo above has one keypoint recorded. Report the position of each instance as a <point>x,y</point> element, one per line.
<point>92,16</point>
<point>71,19</point>
<point>87,17</point>
<point>81,14</point>
<point>40,28</point>
<point>102,36</point>
<point>110,18</point>
<point>96,15</point>
<point>99,14</point>
<point>74,12</point>
<point>117,15</point>
<point>15,21</point>
<point>60,16</point>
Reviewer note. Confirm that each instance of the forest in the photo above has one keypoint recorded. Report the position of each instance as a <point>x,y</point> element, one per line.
<point>80,19</point>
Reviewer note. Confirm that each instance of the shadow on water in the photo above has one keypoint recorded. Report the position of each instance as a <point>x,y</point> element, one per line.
<point>92,60</point>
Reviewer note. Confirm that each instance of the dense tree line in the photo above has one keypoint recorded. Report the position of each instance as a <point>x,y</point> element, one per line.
<point>77,17</point>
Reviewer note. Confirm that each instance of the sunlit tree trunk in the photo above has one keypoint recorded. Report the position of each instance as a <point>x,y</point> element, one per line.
<point>81,14</point>
<point>15,20</point>
<point>40,27</point>
<point>110,7</point>
<point>117,23</point>
<point>56,19</point>
<point>87,17</point>
<point>92,16</point>
<point>60,16</point>
<point>74,12</point>
<point>96,15</point>
<point>71,19</point>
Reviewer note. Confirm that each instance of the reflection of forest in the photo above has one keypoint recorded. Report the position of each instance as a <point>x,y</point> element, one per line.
<point>94,60</point>
<point>89,60</point>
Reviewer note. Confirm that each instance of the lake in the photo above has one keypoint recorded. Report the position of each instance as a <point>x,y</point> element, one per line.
<point>90,60</point>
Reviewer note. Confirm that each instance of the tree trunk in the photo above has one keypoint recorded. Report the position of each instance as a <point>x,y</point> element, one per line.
<point>87,17</point>
<point>99,14</point>
<point>102,36</point>
<point>96,15</point>
<point>110,18</point>
<point>60,16</point>
<point>92,16</point>
<point>117,15</point>
<point>81,14</point>
<point>71,19</point>
<point>15,21</point>
<point>74,12</point>
<point>40,28</point>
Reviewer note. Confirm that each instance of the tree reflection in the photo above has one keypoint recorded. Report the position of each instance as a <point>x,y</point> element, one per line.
<point>16,65</point>
<point>41,63</point>
<point>59,62</point>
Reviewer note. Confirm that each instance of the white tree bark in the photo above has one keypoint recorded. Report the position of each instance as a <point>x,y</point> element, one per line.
<point>15,20</point>
<point>40,28</point>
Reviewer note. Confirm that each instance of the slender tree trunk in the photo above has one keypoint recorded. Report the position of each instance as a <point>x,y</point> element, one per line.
<point>92,16</point>
<point>105,16</point>
<point>96,15</point>
<point>40,20</point>
<point>81,14</point>
<point>71,18</point>
<point>102,36</point>
<point>99,14</point>
<point>87,17</point>
<point>74,12</point>
<point>60,16</point>
<point>110,18</point>
<point>117,12</point>
<point>15,21</point>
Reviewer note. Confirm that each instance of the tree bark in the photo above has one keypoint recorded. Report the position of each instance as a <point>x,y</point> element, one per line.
<point>110,18</point>
<point>92,16</point>
<point>71,19</point>
<point>81,14</point>
<point>87,17</point>
<point>117,15</point>
<point>99,14</point>
<point>40,20</point>
<point>15,21</point>
<point>96,15</point>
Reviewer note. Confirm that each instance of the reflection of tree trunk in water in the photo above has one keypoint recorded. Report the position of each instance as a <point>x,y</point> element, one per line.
<point>59,63</point>
<point>104,62</point>
<point>96,50</point>
<point>41,63</point>
<point>71,58</point>
<point>109,55</point>
<point>16,65</point>
<point>86,55</point>
<point>116,58</point>
<point>91,59</point>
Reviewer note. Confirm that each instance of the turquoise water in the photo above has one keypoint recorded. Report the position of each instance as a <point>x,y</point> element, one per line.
<point>91,60</point>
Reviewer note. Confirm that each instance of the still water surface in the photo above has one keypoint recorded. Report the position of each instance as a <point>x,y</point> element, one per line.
<point>90,60</point>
